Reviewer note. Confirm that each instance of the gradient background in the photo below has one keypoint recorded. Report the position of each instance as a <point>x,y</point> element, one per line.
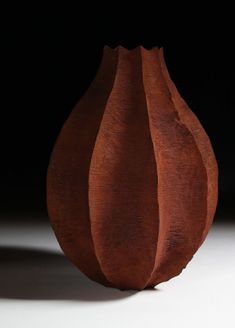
<point>48,63</point>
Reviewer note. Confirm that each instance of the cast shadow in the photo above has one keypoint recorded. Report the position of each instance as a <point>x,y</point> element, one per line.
<point>32,274</point>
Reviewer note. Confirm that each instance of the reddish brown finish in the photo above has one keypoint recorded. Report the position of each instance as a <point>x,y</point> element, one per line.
<point>132,180</point>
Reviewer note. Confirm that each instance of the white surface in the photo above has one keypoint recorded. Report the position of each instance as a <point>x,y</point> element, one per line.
<point>40,288</point>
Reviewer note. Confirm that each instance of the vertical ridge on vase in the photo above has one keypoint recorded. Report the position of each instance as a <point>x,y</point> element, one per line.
<point>202,141</point>
<point>123,181</point>
<point>182,181</point>
<point>67,182</point>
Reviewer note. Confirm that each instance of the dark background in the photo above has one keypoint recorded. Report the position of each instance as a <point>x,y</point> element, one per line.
<point>48,63</point>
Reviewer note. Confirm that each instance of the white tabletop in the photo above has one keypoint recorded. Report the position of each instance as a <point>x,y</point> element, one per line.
<point>40,288</point>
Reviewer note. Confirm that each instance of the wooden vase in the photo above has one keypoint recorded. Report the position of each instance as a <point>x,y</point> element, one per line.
<point>132,179</point>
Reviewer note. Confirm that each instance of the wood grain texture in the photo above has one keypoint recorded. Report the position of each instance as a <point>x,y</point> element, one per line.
<point>132,179</point>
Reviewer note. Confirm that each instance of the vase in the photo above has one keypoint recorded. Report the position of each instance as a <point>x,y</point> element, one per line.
<point>132,179</point>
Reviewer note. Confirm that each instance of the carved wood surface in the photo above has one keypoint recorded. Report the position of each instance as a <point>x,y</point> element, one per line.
<point>132,180</point>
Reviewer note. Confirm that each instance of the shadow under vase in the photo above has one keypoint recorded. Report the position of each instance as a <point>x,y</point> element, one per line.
<point>35,274</point>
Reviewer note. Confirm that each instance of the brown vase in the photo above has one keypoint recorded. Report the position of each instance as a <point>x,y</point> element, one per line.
<point>132,180</point>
